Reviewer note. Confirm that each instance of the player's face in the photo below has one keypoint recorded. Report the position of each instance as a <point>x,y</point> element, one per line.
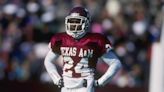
<point>75,24</point>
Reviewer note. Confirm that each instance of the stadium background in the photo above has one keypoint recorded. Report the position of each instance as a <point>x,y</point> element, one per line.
<point>26,27</point>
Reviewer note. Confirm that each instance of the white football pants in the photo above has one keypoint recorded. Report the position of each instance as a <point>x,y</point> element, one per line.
<point>78,84</point>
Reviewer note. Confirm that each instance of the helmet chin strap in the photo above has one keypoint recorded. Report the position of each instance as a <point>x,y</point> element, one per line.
<point>76,36</point>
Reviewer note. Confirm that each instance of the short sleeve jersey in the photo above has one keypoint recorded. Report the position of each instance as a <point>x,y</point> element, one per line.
<point>80,56</point>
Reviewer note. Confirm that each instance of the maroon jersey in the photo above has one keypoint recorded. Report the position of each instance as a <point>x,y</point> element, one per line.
<point>79,56</point>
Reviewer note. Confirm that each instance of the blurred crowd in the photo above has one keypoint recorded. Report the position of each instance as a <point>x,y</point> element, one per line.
<point>26,27</point>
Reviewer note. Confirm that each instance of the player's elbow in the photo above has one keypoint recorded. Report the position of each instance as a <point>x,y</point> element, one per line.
<point>50,57</point>
<point>118,64</point>
<point>45,62</point>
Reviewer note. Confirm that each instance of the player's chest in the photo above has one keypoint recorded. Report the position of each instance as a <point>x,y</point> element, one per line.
<point>79,49</point>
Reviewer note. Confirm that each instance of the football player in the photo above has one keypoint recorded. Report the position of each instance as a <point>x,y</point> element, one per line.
<point>80,50</point>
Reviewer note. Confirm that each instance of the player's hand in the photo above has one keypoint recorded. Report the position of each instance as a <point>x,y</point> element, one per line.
<point>60,83</point>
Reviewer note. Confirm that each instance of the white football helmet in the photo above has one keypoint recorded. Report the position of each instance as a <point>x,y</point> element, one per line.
<point>77,22</point>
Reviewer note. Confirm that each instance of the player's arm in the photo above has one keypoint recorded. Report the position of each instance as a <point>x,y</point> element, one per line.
<point>51,68</point>
<point>114,64</point>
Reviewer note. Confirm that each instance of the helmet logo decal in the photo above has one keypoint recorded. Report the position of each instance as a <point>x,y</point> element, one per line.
<point>75,14</point>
